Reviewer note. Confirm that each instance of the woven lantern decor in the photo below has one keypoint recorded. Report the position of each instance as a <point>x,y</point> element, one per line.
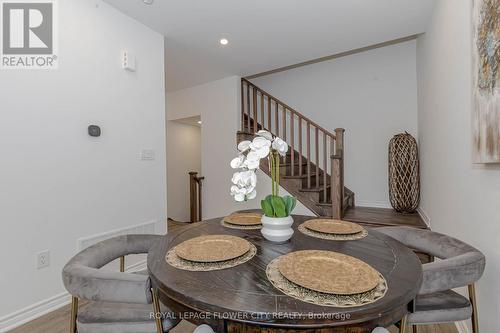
<point>404,175</point>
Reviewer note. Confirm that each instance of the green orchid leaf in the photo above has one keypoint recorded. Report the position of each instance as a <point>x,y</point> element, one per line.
<point>267,208</point>
<point>290,203</point>
<point>278,206</point>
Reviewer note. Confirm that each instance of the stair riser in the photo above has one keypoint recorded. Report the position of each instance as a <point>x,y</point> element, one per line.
<point>313,181</point>
<point>287,169</point>
<point>317,201</point>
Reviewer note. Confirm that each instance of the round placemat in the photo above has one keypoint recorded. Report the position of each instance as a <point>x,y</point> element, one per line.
<point>328,272</point>
<point>240,227</point>
<point>335,237</point>
<point>212,248</point>
<point>174,260</point>
<point>309,296</point>
<point>244,219</point>
<point>330,226</point>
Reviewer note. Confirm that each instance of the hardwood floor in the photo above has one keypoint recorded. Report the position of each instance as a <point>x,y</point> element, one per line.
<point>383,217</point>
<point>439,328</point>
<point>58,321</point>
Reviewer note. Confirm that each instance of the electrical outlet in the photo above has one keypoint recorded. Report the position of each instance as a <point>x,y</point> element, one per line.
<point>43,259</point>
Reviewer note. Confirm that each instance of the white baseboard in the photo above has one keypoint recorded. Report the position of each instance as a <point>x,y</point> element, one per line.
<point>138,266</point>
<point>150,227</point>
<point>375,204</point>
<point>33,311</point>
<point>424,216</point>
<point>462,327</point>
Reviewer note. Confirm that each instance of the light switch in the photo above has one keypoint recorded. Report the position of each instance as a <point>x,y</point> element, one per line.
<point>147,155</point>
<point>128,61</point>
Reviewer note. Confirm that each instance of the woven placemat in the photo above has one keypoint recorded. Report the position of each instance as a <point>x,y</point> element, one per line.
<point>309,296</point>
<point>302,228</point>
<point>240,227</point>
<point>174,260</point>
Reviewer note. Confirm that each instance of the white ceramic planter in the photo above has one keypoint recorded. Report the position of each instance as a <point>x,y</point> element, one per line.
<point>277,229</point>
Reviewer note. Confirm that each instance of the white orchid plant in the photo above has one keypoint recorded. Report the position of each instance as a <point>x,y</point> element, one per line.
<point>264,145</point>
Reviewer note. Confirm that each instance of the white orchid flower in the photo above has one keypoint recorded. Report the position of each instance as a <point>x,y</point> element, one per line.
<point>245,178</point>
<point>239,194</point>
<point>259,142</point>
<point>238,162</point>
<point>244,146</point>
<point>265,134</point>
<point>263,152</point>
<point>280,146</point>
<point>261,146</point>
<point>252,161</point>
<point>243,193</point>
<point>251,195</point>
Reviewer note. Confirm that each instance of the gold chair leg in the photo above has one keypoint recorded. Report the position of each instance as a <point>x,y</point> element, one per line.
<point>74,314</point>
<point>474,318</point>
<point>157,311</point>
<point>122,264</point>
<point>402,325</point>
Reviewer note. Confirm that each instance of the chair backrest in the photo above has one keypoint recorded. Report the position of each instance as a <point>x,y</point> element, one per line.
<point>84,279</point>
<point>461,263</point>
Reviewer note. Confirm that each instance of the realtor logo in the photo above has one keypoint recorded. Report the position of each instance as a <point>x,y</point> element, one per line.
<point>28,34</point>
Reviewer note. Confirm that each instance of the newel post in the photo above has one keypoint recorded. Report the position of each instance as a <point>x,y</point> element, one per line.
<point>337,174</point>
<point>192,197</point>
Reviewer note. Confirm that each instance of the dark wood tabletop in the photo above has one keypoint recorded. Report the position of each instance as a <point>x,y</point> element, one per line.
<point>243,296</point>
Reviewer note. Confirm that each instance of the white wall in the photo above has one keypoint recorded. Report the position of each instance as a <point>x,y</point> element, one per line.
<point>183,156</point>
<point>461,199</point>
<point>373,95</point>
<point>57,183</point>
<point>218,103</point>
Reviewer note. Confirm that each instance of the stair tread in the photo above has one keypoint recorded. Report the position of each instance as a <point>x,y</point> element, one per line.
<point>314,189</point>
<point>311,196</point>
<point>329,203</point>
<point>282,164</point>
<point>301,176</point>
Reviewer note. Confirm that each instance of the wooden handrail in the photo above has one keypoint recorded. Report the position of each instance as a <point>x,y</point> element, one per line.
<point>289,108</point>
<point>195,198</point>
<point>324,151</point>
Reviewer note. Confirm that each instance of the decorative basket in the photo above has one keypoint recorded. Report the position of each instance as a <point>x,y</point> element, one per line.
<point>404,173</point>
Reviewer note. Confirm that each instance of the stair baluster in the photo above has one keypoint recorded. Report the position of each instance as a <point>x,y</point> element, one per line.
<point>300,146</point>
<point>328,148</point>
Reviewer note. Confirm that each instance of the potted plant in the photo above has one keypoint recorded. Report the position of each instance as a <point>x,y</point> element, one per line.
<point>276,219</point>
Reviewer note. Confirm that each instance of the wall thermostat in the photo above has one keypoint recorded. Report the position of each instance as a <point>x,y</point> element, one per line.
<point>94,130</point>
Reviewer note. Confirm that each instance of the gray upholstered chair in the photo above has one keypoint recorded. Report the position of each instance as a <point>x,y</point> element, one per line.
<point>460,265</point>
<point>117,301</point>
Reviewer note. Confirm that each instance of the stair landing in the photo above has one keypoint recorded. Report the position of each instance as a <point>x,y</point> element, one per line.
<point>381,217</point>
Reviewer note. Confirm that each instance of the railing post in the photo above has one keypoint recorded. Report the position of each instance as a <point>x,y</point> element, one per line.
<point>336,193</point>
<point>200,209</point>
<point>255,110</point>
<point>337,174</point>
<point>193,214</point>
<point>242,106</point>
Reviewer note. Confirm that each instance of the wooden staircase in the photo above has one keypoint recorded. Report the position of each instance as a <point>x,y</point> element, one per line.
<point>313,170</point>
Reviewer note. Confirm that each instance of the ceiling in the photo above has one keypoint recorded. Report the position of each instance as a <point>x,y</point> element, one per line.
<point>268,34</point>
<point>193,121</point>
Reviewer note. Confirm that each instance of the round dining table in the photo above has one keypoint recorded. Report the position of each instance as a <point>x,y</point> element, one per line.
<point>242,300</point>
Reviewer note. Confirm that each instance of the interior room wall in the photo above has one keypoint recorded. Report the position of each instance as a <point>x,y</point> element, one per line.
<point>59,184</point>
<point>373,95</point>
<point>183,156</point>
<point>460,198</point>
<point>218,103</point>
